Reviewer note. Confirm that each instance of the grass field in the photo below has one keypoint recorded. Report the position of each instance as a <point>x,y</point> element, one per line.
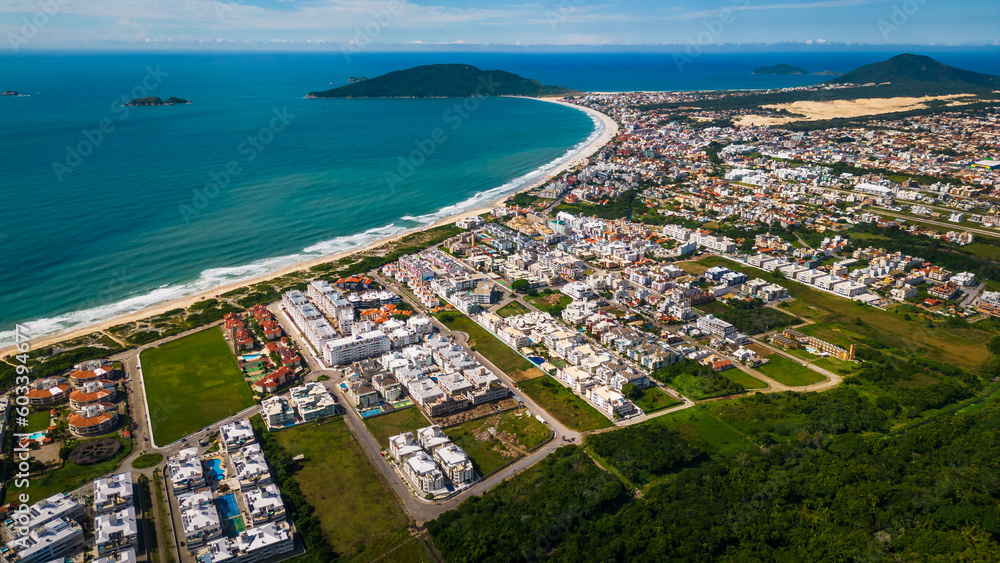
<point>744,379</point>
<point>512,309</point>
<point>358,513</point>
<point>702,428</point>
<point>552,303</point>
<point>499,354</point>
<point>698,388</point>
<point>714,307</point>
<point>145,461</point>
<point>68,477</point>
<point>37,421</point>
<point>655,399</point>
<point>789,372</point>
<point>835,318</point>
<point>563,404</point>
<point>201,369</point>
<point>488,455</point>
<point>387,425</point>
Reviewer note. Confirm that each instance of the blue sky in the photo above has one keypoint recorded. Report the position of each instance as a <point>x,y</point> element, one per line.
<point>498,24</point>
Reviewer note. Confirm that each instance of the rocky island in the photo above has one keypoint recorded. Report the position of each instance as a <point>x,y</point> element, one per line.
<point>780,69</point>
<point>444,81</point>
<point>156,101</point>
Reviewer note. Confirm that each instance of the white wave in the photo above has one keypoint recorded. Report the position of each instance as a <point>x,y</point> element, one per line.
<point>216,277</point>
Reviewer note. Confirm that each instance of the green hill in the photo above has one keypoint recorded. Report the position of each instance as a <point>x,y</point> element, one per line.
<point>780,69</point>
<point>156,101</point>
<point>443,81</point>
<point>917,72</point>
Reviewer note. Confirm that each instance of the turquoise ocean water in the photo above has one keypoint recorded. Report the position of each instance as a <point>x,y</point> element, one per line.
<point>107,210</point>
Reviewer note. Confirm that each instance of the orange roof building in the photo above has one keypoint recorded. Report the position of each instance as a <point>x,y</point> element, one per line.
<point>48,391</point>
<point>94,420</point>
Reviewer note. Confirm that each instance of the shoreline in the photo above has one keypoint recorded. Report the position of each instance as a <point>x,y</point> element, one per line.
<point>610,129</point>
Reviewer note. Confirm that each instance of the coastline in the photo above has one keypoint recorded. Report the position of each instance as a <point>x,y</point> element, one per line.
<point>609,130</point>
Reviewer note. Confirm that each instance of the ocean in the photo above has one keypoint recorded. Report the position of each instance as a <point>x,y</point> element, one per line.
<point>110,209</point>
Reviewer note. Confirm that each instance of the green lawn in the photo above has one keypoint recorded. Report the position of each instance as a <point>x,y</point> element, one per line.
<point>789,371</point>
<point>191,383</point>
<point>489,455</point>
<point>512,309</point>
<point>563,404</point>
<point>68,477</point>
<point>387,425</point>
<point>499,354</point>
<point>655,399</point>
<point>714,307</point>
<point>37,421</point>
<point>145,461</point>
<point>358,513</point>
<point>745,379</point>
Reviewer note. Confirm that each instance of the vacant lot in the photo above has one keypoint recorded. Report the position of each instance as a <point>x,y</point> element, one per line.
<point>512,309</point>
<point>551,303</point>
<point>563,404</point>
<point>516,366</point>
<point>70,476</point>
<point>701,427</point>
<point>191,383</point>
<point>744,379</point>
<point>868,326</point>
<point>387,425</point>
<point>655,399</point>
<point>789,372</point>
<point>495,441</point>
<point>358,513</point>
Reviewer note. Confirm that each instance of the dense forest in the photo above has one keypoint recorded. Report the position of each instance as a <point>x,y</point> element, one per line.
<point>928,494</point>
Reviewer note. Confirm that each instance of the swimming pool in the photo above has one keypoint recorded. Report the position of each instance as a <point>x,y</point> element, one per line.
<point>537,360</point>
<point>37,436</point>
<point>215,470</point>
<point>250,357</point>
<point>227,506</point>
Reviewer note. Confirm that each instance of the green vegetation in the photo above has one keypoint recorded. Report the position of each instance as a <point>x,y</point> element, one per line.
<point>919,71</point>
<point>443,81</point>
<point>161,515</point>
<point>516,366</point>
<point>745,379</point>
<point>752,317</point>
<point>789,372</point>
<point>512,309</point>
<point>201,369</point>
<point>336,492</point>
<point>551,302</point>
<point>514,433</point>
<point>980,257</point>
<point>524,517</point>
<point>880,331</point>
<point>70,476</point>
<point>145,461</point>
<point>697,381</point>
<point>37,421</point>
<point>643,452</point>
<point>385,426</point>
<point>623,207</point>
<point>562,403</point>
<point>522,199</point>
<point>651,399</point>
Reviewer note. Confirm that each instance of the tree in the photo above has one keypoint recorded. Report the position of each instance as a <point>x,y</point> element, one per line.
<point>632,391</point>
<point>520,285</point>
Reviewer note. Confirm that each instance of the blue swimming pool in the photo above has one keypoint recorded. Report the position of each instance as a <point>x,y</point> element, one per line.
<point>537,360</point>
<point>215,470</point>
<point>38,436</point>
<point>227,506</point>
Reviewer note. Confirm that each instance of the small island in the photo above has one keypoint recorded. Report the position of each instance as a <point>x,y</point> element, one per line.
<point>781,69</point>
<point>11,93</point>
<point>156,101</point>
<point>443,81</point>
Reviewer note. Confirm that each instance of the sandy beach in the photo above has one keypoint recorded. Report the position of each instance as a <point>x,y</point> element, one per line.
<point>584,152</point>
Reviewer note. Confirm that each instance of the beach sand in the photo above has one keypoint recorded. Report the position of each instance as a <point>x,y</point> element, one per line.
<point>815,110</point>
<point>610,129</point>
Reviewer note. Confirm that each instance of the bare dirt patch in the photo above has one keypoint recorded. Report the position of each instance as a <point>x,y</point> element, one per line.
<point>816,110</point>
